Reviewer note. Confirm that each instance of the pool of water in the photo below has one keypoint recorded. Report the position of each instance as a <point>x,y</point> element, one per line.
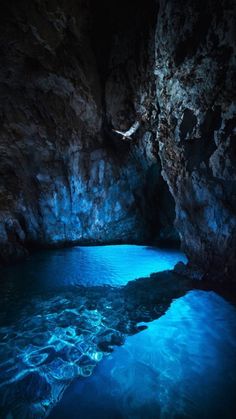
<point>80,338</point>
<point>90,265</point>
<point>182,366</point>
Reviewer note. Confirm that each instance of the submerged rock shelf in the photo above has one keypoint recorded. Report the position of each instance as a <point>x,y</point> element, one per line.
<point>62,311</point>
<point>57,339</point>
<point>171,369</point>
<point>117,125</point>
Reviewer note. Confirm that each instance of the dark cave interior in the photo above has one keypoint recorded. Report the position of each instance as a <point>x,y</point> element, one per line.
<point>101,68</point>
<point>117,209</point>
<point>75,73</point>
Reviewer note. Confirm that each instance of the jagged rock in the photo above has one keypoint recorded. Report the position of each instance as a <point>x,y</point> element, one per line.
<point>195,76</point>
<point>73,72</point>
<point>189,271</point>
<point>64,178</point>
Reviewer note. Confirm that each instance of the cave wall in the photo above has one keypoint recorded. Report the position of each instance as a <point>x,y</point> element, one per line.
<point>71,72</point>
<point>130,91</point>
<point>67,77</point>
<point>195,85</point>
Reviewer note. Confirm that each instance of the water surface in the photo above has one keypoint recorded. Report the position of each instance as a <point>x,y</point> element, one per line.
<point>91,265</point>
<point>182,366</point>
<point>78,331</point>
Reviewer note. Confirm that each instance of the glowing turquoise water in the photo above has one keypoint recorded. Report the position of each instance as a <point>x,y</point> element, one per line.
<point>63,312</point>
<point>182,366</point>
<point>91,265</point>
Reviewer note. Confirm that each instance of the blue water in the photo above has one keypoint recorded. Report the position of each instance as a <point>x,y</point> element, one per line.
<point>182,366</point>
<point>92,265</point>
<point>80,338</point>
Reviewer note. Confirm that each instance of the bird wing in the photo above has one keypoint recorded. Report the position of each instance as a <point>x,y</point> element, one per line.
<point>132,129</point>
<point>119,132</point>
<point>123,135</point>
<point>127,134</point>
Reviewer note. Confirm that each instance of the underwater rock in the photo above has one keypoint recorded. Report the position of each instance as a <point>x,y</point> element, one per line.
<point>62,370</point>
<point>189,271</point>
<point>110,338</point>
<point>63,354</point>
<point>34,356</point>
<point>33,387</point>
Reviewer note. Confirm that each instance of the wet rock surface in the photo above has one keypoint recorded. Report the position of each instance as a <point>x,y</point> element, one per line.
<point>71,74</point>
<point>195,76</point>
<point>66,81</point>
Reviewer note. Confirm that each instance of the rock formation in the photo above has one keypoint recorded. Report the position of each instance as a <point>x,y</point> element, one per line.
<point>66,80</point>
<point>74,71</point>
<point>196,91</point>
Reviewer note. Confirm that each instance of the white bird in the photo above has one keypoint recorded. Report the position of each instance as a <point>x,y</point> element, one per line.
<point>126,135</point>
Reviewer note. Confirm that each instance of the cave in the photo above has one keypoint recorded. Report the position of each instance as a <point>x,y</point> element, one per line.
<point>117,209</point>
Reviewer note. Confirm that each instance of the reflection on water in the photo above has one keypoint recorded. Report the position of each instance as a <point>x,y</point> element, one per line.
<point>54,332</point>
<point>182,366</point>
<point>91,265</point>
